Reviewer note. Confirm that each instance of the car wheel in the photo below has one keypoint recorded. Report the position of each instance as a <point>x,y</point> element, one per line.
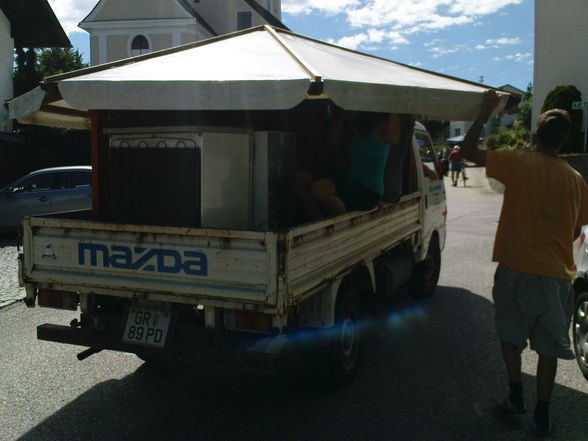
<point>346,342</point>
<point>580,333</point>
<point>426,273</point>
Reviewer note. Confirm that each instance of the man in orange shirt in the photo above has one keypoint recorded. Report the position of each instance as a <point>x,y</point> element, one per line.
<point>545,204</point>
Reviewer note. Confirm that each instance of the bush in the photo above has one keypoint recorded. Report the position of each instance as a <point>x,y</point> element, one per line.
<point>562,97</point>
<point>511,138</point>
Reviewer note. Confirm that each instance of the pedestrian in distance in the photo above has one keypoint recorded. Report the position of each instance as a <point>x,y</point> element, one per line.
<point>545,205</point>
<point>456,161</point>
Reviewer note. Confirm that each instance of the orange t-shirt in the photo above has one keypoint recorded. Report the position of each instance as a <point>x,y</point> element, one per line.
<point>545,200</point>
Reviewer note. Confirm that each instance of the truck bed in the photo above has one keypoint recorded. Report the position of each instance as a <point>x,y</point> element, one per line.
<point>224,268</point>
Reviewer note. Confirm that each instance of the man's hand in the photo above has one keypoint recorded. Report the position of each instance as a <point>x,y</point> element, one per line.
<point>470,150</point>
<point>489,103</point>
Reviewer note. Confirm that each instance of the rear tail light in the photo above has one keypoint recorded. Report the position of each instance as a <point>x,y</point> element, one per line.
<point>248,321</point>
<point>49,298</point>
<point>581,240</point>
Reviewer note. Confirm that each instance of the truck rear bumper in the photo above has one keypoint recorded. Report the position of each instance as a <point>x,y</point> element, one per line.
<point>262,356</point>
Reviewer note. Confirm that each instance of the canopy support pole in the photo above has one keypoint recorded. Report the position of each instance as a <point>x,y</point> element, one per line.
<point>301,61</point>
<point>99,154</point>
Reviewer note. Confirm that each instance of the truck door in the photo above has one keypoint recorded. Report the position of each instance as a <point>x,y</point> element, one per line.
<point>433,189</point>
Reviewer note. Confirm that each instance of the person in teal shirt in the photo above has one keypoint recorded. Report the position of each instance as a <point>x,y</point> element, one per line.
<point>375,170</point>
<point>368,158</point>
<point>376,161</point>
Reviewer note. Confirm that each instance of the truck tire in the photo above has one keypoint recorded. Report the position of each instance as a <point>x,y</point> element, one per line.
<point>426,273</point>
<point>346,342</point>
<point>580,327</point>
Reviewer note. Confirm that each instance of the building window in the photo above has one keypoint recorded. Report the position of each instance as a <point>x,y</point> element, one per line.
<point>244,20</point>
<point>140,45</point>
<point>457,132</point>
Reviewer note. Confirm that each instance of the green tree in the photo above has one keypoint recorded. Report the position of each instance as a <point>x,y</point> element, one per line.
<point>57,60</point>
<point>31,66</point>
<point>562,97</point>
<point>522,124</point>
<point>26,74</point>
<point>45,146</point>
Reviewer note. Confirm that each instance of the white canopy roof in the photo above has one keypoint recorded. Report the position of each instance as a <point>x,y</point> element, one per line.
<point>259,69</point>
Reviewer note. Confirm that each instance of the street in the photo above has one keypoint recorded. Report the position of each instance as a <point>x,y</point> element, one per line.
<point>431,371</point>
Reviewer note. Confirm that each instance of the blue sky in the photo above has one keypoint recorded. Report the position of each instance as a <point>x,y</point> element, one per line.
<point>463,38</point>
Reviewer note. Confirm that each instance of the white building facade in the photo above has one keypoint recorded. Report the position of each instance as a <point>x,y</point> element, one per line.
<point>6,61</point>
<point>561,48</point>
<point>124,28</point>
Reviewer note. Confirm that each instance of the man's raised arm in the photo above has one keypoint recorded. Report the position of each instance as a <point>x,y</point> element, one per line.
<point>469,148</point>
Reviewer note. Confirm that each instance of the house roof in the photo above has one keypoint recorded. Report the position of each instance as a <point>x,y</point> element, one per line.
<point>511,88</point>
<point>270,18</point>
<point>185,4</point>
<point>198,17</point>
<point>34,24</point>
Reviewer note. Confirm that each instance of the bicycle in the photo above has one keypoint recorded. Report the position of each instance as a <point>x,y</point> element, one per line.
<point>463,175</point>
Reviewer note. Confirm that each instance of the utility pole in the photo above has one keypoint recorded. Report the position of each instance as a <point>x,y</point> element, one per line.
<point>481,79</point>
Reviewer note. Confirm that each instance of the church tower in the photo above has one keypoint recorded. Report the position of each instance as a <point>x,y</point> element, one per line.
<point>125,28</point>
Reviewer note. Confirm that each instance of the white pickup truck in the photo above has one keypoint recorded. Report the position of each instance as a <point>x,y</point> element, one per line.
<point>227,295</point>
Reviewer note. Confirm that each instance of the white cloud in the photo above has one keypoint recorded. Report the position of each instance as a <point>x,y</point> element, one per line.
<point>405,17</point>
<point>371,37</point>
<point>432,42</point>
<point>496,59</point>
<point>71,12</point>
<point>498,42</point>
<point>478,7</point>
<point>416,64</point>
<point>518,56</point>
<point>504,40</point>
<point>438,51</point>
<point>308,6</point>
<point>353,41</point>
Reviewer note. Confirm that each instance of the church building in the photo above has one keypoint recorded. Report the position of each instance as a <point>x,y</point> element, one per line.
<point>124,28</point>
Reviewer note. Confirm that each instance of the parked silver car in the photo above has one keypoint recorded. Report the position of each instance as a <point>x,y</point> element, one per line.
<point>51,190</point>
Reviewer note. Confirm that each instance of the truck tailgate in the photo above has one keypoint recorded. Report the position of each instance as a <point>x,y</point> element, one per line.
<point>185,263</point>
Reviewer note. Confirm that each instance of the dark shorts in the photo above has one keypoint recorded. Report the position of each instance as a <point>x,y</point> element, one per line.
<point>456,166</point>
<point>355,196</point>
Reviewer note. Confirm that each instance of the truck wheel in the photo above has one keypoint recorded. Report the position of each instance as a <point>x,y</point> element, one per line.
<point>581,332</point>
<point>426,273</point>
<point>346,342</point>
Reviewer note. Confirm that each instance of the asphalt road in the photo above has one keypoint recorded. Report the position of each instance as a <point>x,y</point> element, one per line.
<point>430,372</point>
<point>9,289</point>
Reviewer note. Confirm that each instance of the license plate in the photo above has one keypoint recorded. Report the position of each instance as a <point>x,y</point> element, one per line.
<point>147,326</point>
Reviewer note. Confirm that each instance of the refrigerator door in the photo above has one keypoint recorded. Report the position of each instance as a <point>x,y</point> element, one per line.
<point>226,180</point>
<point>154,179</point>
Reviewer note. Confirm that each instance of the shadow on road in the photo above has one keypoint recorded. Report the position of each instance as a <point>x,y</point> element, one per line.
<point>430,372</point>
